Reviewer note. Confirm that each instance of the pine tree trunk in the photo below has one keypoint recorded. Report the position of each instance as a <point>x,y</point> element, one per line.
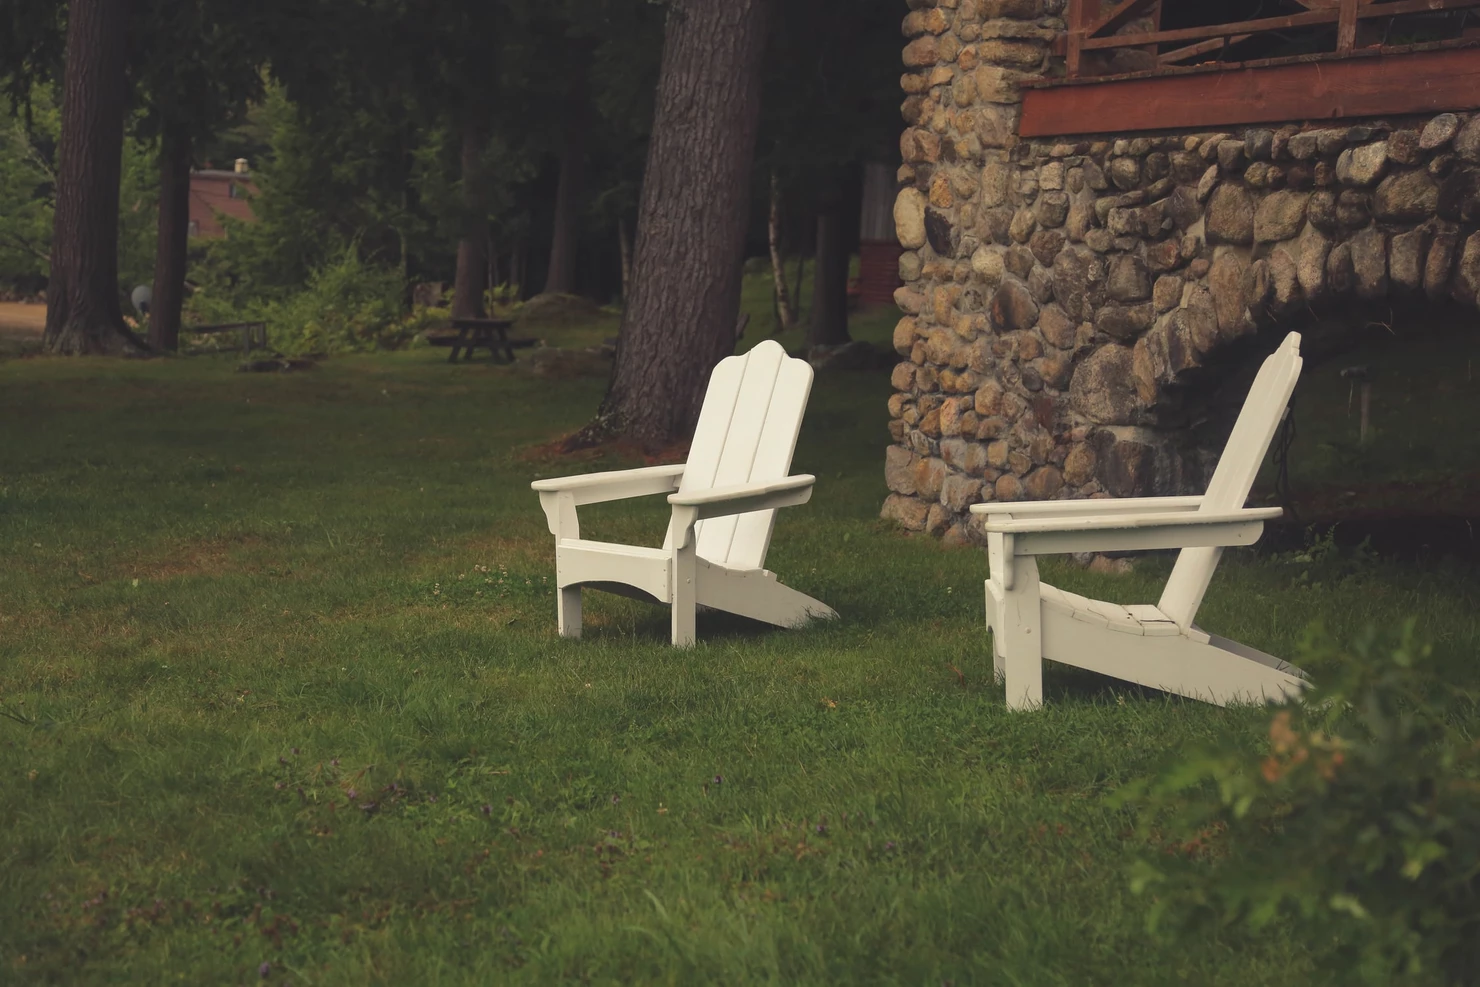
<point>83,314</point>
<point>570,196</point>
<point>491,256</point>
<point>801,282</point>
<point>691,221</point>
<point>786,315</point>
<point>624,245</point>
<point>829,325</point>
<point>404,242</point>
<point>467,292</point>
<point>173,238</point>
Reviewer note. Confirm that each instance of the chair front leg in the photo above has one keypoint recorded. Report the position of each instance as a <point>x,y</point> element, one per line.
<point>560,513</point>
<point>1017,632</point>
<point>568,611</point>
<point>683,595</point>
<point>685,603</point>
<point>999,666</point>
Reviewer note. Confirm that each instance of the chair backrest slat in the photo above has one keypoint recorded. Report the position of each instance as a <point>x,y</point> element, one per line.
<point>772,461</point>
<point>747,432</point>
<point>1237,467</point>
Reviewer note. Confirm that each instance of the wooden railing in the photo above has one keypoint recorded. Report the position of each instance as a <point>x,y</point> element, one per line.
<point>1093,27</point>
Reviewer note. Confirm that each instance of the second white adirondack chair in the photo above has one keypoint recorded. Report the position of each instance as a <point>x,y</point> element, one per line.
<point>1156,646</point>
<point>724,505</point>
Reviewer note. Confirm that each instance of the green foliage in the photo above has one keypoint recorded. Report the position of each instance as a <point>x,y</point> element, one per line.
<point>26,180</point>
<point>31,41</point>
<point>1360,822</point>
<point>347,305</point>
<point>138,214</point>
<point>197,64</point>
<point>832,92</point>
<point>316,194</point>
<point>28,168</point>
<point>375,177</point>
<point>506,165</point>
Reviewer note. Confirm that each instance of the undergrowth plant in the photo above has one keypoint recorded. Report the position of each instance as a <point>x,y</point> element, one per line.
<point>347,306</point>
<point>1360,821</point>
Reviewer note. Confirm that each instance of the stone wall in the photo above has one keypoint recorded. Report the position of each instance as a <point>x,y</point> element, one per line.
<point>1061,295</point>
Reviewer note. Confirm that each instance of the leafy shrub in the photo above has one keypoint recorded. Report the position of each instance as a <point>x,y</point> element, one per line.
<point>1361,820</point>
<point>28,167</point>
<point>347,306</point>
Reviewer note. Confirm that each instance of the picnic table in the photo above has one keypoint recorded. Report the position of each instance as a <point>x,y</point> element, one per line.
<point>489,334</point>
<point>253,333</point>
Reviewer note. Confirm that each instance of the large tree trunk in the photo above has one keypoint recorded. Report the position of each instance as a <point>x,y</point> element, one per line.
<point>83,313</point>
<point>174,232</point>
<point>570,196</point>
<point>829,323</point>
<point>786,314</point>
<point>691,220</point>
<point>472,268</point>
<point>624,246</point>
<point>522,292</point>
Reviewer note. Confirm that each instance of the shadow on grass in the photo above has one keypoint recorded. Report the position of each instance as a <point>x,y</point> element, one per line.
<point>650,625</point>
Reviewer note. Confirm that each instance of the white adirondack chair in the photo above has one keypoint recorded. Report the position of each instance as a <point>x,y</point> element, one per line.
<point>1156,646</point>
<point>724,506</point>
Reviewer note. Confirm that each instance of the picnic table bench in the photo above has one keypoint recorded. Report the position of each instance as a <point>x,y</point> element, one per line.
<point>489,334</point>
<point>253,333</point>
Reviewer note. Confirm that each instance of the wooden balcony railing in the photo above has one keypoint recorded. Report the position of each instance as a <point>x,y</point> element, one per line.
<point>1099,29</point>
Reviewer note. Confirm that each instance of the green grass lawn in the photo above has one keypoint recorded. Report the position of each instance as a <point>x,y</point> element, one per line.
<point>283,703</point>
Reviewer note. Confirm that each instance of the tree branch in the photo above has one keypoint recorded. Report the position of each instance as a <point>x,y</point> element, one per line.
<point>23,244</point>
<point>21,137</point>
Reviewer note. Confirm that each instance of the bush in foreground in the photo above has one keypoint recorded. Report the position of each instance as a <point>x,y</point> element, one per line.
<point>1361,821</point>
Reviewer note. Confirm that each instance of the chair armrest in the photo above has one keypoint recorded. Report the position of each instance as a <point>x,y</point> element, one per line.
<point>1014,525</point>
<point>597,488</point>
<point>742,498</point>
<point>1109,505</point>
<point>1131,532</point>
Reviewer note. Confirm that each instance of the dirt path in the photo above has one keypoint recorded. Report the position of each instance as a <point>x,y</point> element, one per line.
<point>25,321</point>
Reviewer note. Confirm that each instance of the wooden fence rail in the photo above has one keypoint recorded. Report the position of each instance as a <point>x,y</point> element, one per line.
<point>1092,28</point>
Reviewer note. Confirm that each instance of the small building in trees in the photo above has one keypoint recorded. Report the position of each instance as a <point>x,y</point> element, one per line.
<point>878,245</point>
<point>214,194</point>
<point>1108,209</point>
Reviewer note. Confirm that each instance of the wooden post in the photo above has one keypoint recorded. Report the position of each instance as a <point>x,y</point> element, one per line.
<point>683,596</point>
<point>1366,405</point>
<point>1154,13</point>
<point>1346,26</point>
<point>1071,51</point>
<point>1081,13</point>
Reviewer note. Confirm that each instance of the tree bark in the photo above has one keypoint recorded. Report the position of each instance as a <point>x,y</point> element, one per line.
<point>491,254</point>
<point>801,282</point>
<point>829,323</point>
<point>521,292</point>
<point>692,215</point>
<point>83,314</point>
<point>786,313</point>
<point>570,196</point>
<point>472,269</point>
<point>624,245</point>
<point>174,233</point>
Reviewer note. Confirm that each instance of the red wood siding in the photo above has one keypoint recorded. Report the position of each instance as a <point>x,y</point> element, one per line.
<point>1357,86</point>
<point>210,193</point>
<point>878,271</point>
